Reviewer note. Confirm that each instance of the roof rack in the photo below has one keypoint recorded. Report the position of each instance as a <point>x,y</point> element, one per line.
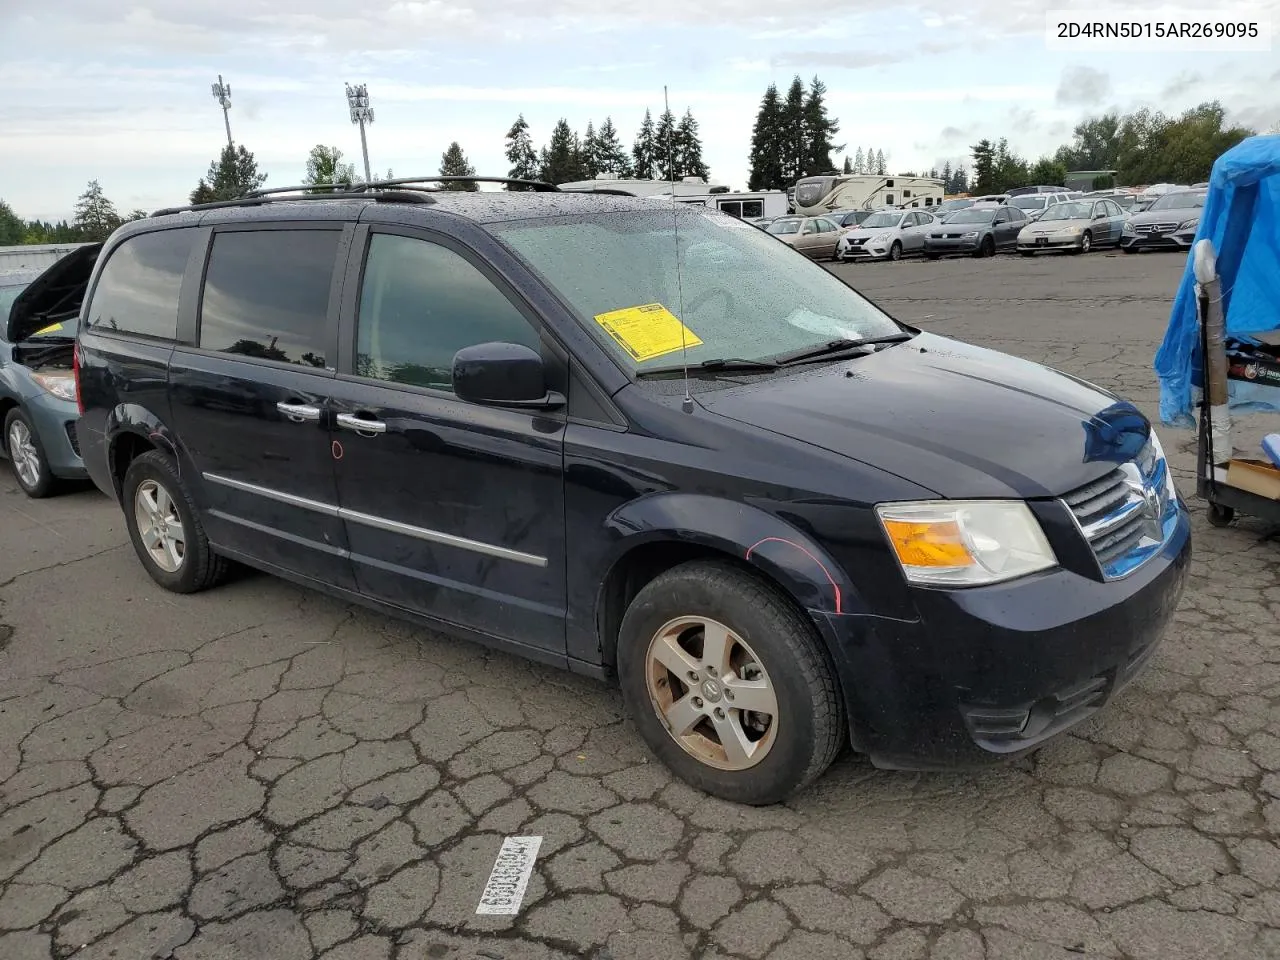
<point>378,190</point>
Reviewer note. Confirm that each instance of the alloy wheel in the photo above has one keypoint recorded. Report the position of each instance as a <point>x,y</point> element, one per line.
<point>23,452</point>
<point>159,526</point>
<point>712,692</point>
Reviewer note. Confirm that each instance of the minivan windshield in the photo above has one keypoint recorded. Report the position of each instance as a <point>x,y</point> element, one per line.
<point>745,295</point>
<point>973,215</point>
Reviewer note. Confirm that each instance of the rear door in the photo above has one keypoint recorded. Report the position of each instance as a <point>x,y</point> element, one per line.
<point>453,510</point>
<point>250,397</point>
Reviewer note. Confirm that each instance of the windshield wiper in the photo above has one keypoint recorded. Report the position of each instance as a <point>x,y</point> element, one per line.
<point>711,366</point>
<point>827,350</point>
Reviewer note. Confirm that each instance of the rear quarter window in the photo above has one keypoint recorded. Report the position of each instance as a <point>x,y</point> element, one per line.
<point>137,291</point>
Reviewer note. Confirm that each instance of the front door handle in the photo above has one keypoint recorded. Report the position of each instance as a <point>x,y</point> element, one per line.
<point>350,421</point>
<point>299,412</point>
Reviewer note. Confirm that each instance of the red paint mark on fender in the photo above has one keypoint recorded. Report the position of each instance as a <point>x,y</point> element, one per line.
<point>336,450</point>
<point>834,586</point>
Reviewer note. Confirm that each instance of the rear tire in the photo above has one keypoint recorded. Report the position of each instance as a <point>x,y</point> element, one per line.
<point>172,547</point>
<point>26,455</point>
<point>778,662</point>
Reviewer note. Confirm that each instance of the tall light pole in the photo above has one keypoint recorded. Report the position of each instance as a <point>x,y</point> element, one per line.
<point>222,93</point>
<point>361,113</point>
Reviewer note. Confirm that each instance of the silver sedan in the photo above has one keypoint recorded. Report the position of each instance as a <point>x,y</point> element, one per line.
<point>887,235</point>
<point>1076,226</point>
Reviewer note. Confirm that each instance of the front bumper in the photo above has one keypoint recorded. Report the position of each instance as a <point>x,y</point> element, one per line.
<point>1049,243</point>
<point>56,422</point>
<point>1163,241</point>
<point>866,251</point>
<point>994,672</point>
<point>944,247</point>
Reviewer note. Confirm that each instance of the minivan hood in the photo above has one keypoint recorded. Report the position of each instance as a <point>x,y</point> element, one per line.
<point>963,421</point>
<point>55,294</point>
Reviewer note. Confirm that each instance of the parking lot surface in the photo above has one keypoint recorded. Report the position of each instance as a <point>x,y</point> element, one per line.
<point>260,772</point>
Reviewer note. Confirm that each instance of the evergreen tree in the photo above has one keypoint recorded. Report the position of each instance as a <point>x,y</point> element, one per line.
<point>230,177</point>
<point>688,149</point>
<point>643,151</point>
<point>520,153</point>
<point>881,169</point>
<point>12,230</point>
<point>859,162</point>
<point>664,146</point>
<point>766,145</point>
<point>984,166</point>
<point>795,150</point>
<point>848,167</point>
<point>453,163</point>
<point>819,129</point>
<point>610,153</point>
<point>96,216</point>
<point>590,152</point>
<point>870,165</point>
<point>561,160</point>
<point>946,177</point>
<point>960,181</point>
<point>325,168</point>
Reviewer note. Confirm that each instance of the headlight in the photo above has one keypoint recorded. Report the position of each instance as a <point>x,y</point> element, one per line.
<point>1189,224</point>
<point>1158,449</point>
<point>1128,227</point>
<point>1072,231</point>
<point>969,236</point>
<point>965,543</point>
<point>880,237</point>
<point>61,385</point>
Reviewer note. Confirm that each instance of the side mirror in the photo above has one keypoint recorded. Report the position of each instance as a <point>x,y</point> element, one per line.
<point>503,375</point>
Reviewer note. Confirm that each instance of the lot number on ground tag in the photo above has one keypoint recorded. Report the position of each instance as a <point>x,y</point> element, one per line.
<point>504,892</point>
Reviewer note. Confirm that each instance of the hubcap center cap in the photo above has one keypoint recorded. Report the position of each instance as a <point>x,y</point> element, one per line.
<point>712,691</point>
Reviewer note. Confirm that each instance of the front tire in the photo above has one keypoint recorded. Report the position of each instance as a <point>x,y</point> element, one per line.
<point>987,248</point>
<point>895,251</point>
<point>1086,243</point>
<point>165,527</point>
<point>26,455</point>
<point>728,683</point>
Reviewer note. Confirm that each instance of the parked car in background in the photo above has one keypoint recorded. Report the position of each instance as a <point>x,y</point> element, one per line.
<point>813,236</point>
<point>887,235</point>
<point>1074,226</point>
<point>1165,224</point>
<point>848,219</point>
<point>1042,188</point>
<point>37,387</point>
<point>977,230</point>
<point>1034,204</point>
<point>473,415</point>
<point>1127,201</point>
<point>987,199</point>
<point>949,206</point>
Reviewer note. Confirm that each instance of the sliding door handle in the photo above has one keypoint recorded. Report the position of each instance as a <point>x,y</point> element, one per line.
<point>299,412</point>
<point>349,421</point>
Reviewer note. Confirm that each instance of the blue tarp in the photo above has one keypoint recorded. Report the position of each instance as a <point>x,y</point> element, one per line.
<point>1241,216</point>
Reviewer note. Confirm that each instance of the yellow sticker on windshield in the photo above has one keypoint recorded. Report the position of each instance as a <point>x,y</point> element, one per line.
<point>648,331</point>
<point>52,328</point>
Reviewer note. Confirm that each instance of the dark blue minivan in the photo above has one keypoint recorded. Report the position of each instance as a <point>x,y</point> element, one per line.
<point>472,410</point>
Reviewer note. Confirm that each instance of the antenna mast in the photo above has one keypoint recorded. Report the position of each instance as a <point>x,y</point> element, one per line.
<point>687,404</point>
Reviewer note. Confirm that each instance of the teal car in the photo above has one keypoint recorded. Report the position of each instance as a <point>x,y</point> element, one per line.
<point>38,408</point>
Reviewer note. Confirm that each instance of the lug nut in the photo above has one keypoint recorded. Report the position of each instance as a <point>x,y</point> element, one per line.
<point>697,702</point>
<point>711,671</point>
<point>719,713</point>
<point>693,676</point>
<point>728,694</point>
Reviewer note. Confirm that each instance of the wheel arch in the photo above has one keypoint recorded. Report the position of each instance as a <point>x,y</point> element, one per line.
<point>657,533</point>
<point>131,431</point>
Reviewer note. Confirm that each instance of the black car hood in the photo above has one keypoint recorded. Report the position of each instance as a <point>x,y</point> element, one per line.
<point>54,295</point>
<point>960,420</point>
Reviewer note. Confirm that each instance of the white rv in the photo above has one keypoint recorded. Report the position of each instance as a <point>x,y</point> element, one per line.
<point>819,195</point>
<point>752,205</point>
<point>686,188</point>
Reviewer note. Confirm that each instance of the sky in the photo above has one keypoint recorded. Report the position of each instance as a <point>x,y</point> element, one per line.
<point>121,91</point>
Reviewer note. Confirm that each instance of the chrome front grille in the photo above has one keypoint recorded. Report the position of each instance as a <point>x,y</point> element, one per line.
<point>1127,515</point>
<point>1157,227</point>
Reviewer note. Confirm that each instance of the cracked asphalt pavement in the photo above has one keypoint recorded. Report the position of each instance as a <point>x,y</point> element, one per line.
<point>261,772</point>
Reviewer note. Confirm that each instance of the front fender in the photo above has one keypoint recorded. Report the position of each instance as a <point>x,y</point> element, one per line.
<point>781,552</point>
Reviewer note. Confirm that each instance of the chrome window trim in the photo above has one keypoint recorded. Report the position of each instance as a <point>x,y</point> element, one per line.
<point>380,523</point>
